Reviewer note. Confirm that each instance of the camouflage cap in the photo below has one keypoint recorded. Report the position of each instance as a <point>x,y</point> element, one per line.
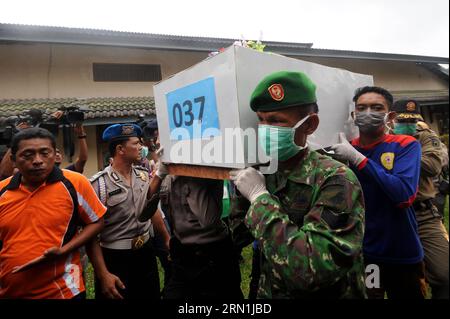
<point>281,90</point>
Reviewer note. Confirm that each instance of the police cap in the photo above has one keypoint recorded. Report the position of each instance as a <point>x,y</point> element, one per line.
<point>121,131</point>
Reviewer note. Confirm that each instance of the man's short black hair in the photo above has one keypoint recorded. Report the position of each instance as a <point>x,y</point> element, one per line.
<point>113,144</point>
<point>374,89</point>
<point>28,134</point>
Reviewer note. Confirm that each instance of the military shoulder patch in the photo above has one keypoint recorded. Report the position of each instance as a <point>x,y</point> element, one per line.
<point>435,142</point>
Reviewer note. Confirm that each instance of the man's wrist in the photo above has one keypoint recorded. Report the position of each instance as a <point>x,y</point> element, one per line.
<point>102,274</point>
<point>358,158</point>
<point>259,196</point>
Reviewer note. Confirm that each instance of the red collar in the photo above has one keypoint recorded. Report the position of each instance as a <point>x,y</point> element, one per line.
<point>356,142</point>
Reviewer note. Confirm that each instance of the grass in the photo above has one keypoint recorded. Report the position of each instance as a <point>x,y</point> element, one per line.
<point>246,265</point>
<point>246,269</point>
<point>89,281</point>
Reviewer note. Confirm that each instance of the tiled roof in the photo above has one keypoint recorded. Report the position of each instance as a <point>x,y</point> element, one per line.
<point>96,107</point>
<point>51,34</point>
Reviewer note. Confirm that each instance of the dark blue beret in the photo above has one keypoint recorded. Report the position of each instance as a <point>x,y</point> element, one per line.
<point>121,131</point>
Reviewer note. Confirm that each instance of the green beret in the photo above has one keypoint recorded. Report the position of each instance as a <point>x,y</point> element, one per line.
<point>281,90</point>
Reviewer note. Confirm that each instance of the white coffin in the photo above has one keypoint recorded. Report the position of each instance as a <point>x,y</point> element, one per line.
<point>218,90</point>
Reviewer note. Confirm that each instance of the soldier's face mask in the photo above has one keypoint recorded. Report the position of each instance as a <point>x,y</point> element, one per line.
<point>280,141</point>
<point>405,128</point>
<point>369,121</point>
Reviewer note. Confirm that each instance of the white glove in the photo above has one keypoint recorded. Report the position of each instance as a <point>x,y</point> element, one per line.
<point>250,182</point>
<point>161,170</point>
<point>345,151</point>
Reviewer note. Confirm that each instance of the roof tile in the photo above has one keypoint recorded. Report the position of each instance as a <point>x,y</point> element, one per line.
<point>96,107</point>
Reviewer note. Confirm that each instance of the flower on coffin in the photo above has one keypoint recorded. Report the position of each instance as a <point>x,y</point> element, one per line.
<point>258,46</point>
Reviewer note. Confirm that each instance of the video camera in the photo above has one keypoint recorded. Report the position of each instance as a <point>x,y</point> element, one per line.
<point>9,126</point>
<point>36,118</point>
<point>71,115</point>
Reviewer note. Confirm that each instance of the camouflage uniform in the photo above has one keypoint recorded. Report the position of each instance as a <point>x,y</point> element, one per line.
<point>310,230</point>
<point>432,232</point>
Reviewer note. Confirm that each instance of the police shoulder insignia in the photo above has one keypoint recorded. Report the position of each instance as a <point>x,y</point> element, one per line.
<point>387,160</point>
<point>115,177</point>
<point>96,176</point>
<point>141,172</point>
<point>276,91</point>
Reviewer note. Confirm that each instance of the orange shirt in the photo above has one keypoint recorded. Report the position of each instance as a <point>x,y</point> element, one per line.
<point>32,222</point>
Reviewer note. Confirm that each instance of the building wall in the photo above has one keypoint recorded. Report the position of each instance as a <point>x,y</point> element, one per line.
<point>392,75</point>
<point>56,70</point>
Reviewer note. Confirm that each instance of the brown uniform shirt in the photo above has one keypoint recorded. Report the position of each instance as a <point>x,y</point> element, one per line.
<point>431,162</point>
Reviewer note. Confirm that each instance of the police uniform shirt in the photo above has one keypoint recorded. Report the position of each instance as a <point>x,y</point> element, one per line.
<point>124,203</point>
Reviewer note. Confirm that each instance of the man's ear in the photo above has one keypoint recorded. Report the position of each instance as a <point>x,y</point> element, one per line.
<point>119,148</point>
<point>311,124</point>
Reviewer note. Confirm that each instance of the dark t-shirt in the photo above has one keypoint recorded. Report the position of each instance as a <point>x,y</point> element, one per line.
<point>72,167</point>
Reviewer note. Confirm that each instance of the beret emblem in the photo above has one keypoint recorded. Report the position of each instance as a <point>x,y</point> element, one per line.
<point>276,92</point>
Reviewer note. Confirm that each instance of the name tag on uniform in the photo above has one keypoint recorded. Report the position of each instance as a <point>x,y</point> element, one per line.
<point>115,192</point>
